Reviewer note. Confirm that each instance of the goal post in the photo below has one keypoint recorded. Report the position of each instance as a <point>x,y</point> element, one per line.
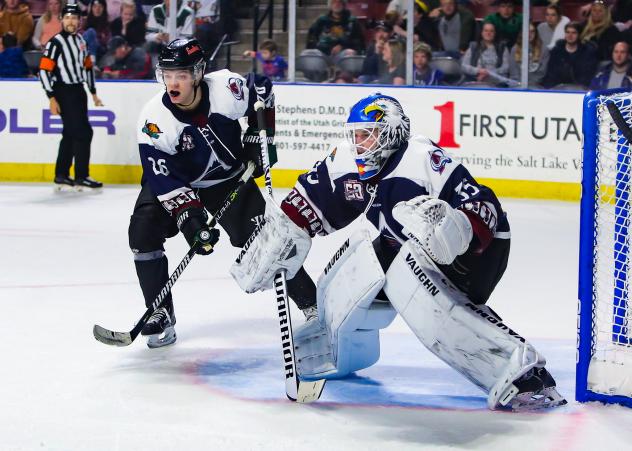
<point>604,338</point>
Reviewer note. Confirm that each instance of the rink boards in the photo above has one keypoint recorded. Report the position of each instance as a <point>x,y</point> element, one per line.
<point>521,143</point>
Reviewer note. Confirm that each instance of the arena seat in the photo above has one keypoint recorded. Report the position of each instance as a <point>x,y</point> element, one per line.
<point>451,68</point>
<point>352,64</point>
<point>315,66</point>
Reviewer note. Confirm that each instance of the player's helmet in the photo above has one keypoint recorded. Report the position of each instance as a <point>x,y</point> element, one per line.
<point>182,54</point>
<point>381,115</point>
<point>71,8</point>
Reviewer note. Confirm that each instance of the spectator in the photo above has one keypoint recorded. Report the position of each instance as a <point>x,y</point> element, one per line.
<point>373,64</point>
<point>392,18</point>
<point>273,65</point>
<point>401,6</point>
<point>456,28</point>
<point>336,31</point>
<point>552,29</point>
<point>147,5</point>
<point>487,60</point>
<point>129,25</point>
<point>506,21</point>
<point>423,74</point>
<point>571,61</point>
<point>12,64</point>
<point>208,29</point>
<point>130,62</point>
<point>395,57</point>
<point>622,14</point>
<point>16,18</point>
<point>618,73</point>
<point>157,33</point>
<point>97,29</point>
<point>425,29</point>
<point>599,30</point>
<point>48,25</point>
<point>538,57</point>
<point>344,77</point>
<point>114,9</point>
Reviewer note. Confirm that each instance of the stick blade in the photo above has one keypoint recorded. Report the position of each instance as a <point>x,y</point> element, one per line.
<point>310,391</point>
<point>110,337</point>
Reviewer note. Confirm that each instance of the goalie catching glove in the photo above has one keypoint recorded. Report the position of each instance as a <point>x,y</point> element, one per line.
<point>252,149</point>
<point>276,245</point>
<point>434,226</point>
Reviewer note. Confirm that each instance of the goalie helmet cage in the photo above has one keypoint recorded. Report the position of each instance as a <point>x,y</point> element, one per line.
<point>604,328</point>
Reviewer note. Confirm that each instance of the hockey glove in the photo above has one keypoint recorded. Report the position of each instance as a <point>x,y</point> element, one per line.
<point>438,229</point>
<point>192,224</point>
<point>252,149</point>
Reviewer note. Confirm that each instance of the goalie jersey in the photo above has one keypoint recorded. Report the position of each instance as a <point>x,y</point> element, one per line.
<point>183,150</point>
<point>331,195</point>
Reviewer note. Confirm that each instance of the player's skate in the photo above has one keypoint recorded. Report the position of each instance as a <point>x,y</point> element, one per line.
<point>87,184</point>
<point>311,313</point>
<point>64,183</point>
<point>159,329</point>
<point>535,390</point>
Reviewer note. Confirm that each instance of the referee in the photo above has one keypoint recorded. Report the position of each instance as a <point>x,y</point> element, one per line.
<point>64,67</point>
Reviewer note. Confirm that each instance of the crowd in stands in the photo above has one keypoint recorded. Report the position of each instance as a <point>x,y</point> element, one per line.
<point>123,37</point>
<point>477,43</point>
<point>572,44</point>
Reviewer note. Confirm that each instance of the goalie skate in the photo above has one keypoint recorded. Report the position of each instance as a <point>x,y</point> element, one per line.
<point>533,391</point>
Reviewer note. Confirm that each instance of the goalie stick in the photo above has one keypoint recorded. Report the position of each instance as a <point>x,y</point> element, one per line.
<point>113,338</point>
<point>295,389</point>
<point>620,122</point>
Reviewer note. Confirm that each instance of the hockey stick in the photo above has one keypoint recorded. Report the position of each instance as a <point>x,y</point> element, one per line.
<point>296,390</point>
<point>620,122</point>
<point>113,338</point>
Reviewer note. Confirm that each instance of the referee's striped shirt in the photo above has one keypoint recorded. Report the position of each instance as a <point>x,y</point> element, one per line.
<point>66,60</point>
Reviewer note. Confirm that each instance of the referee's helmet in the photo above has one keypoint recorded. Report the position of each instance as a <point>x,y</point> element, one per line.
<point>71,8</point>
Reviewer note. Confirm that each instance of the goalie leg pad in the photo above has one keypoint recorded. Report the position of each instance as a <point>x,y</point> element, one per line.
<point>468,337</point>
<point>346,337</point>
<point>276,245</point>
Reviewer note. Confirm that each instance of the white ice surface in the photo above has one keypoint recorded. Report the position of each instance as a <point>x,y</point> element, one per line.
<point>65,265</point>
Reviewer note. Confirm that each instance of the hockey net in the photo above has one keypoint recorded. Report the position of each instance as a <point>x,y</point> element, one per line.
<point>604,365</point>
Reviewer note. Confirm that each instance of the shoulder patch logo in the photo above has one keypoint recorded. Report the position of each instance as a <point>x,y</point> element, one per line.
<point>152,130</point>
<point>353,190</point>
<point>187,142</point>
<point>236,86</point>
<point>438,160</point>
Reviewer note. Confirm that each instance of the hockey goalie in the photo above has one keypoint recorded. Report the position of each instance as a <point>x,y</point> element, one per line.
<point>443,245</point>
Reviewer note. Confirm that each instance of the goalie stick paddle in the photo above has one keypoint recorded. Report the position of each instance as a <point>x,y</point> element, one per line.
<point>620,122</point>
<point>295,389</point>
<point>113,338</point>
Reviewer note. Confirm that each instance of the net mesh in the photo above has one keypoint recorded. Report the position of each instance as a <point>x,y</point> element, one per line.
<point>612,315</point>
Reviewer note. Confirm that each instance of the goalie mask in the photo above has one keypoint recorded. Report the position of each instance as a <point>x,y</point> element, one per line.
<point>376,128</point>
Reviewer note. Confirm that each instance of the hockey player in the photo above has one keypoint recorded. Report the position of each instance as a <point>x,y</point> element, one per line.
<point>190,147</point>
<point>443,245</point>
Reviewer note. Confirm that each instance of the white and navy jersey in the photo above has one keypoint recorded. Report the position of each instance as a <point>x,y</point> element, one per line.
<point>331,195</point>
<point>66,60</point>
<point>184,150</point>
